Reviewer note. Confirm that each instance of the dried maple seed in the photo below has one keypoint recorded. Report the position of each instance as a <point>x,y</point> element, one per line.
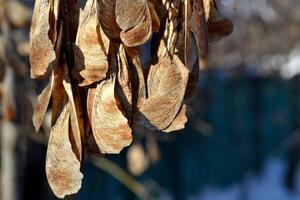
<point>93,44</point>
<point>110,127</point>
<point>41,48</point>
<point>62,166</point>
<point>100,44</point>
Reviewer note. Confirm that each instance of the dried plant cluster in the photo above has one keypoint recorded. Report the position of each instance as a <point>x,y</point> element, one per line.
<point>100,90</point>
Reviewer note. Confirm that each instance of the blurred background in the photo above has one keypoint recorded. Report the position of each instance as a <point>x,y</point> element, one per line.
<point>242,140</point>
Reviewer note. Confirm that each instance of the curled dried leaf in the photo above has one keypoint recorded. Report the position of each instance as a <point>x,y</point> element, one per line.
<point>138,80</point>
<point>154,17</point>
<point>42,104</point>
<point>179,121</point>
<point>168,41</point>
<point>167,82</point>
<point>207,6</point>
<point>110,128</point>
<point>218,25</point>
<point>90,102</point>
<point>198,26</point>
<point>107,18</point>
<point>41,48</point>
<point>134,18</point>
<point>123,83</point>
<point>62,165</point>
<point>93,45</point>
<point>74,122</point>
<point>130,13</point>
<point>219,29</point>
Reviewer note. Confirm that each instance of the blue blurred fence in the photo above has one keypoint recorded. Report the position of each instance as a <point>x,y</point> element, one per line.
<point>250,118</point>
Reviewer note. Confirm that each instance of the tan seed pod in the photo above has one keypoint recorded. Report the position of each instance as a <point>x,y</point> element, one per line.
<point>74,119</point>
<point>62,165</point>
<point>42,104</point>
<point>167,82</point>
<point>218,25</point>
<point>207,6</point>
<point>41,48</point>
<point>110,128</point>
<point>92,46</point>
<point>134,19</point>
<point>154,17</point>
<point>179,121</point>
<point>107,19</point>
<point>123,83</point>
<point>198,26</point>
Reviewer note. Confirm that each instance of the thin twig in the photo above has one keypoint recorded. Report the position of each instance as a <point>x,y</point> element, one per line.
<point>122,176</point>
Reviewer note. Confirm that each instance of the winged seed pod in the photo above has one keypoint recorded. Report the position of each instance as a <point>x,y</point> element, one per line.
<point>91,46</point>
<point>41,47</point>
<point>100,89</point>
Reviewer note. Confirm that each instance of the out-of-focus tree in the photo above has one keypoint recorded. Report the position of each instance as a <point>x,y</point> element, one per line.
<point>264,34</point>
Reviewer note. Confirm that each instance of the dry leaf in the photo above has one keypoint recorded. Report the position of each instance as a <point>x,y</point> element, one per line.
<point>41,48</point>
<point>75,128</point>
<point>207,6</point>
<point>154,17</point>
<point>134,19</point>
<point>138,81</point>
<point>123,83</point>
<point>179,121</point>
<point>167,82</point>
<point>110,128</point>
<point>168,42</point>
<point>62,165</point>
<point>91,54</point>
<point>218,26</point>
<point>219,29</point>
<point>198,26</point>
<point>42,104</point>
<point>107,18</point>
<point>60,98</point>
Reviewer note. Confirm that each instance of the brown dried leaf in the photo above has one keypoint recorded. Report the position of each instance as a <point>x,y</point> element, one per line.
<point>138,80</point>
<point>154,17</point>
<point>207,6</point>
<point>62,166</point>
<point>179,121</point>
<point>187,50</point>
<point>167,82</point>
<point>90,102</point>
<point>110,128</point>
<point>123,84</point>
<point>42,104</point>
<point>60,98</point>
<point>75,128</point>
<point>218,25</point>
<point>53,20</point>
<point>130,13</point>
<point>137,35</point>
<point>198,26</point>
<point>219,29</point>
<point>41,48</point>
<point>168,42</point>
<point>93,46</point>
<point>107,18</point>
<point>134,18</point>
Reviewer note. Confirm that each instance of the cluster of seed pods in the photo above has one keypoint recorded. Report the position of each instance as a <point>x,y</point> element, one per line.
<point>98,88</point>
